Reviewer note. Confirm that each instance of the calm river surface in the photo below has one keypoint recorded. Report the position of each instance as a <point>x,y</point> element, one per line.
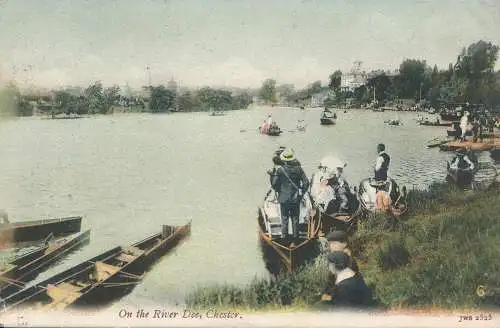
<point>129,174</point>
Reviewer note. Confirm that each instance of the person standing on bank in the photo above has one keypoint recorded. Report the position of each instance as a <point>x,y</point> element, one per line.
<point>290,182</point>
<point>382,164</point>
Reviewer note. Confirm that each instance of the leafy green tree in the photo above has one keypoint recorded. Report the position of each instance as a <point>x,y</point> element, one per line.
<point>285,91</point>
<point>268,91</point>
<point>413,77</point>
<point>187,102</point>
<point>111,96</point>
<point>382,85</point>
<point>95,97</point>
<point>161,99</point>
<point>315,87</point>
<point>242,100</point>
<point>335,80</point>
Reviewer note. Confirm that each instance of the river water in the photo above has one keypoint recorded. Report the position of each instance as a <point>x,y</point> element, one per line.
<point>128,174</point>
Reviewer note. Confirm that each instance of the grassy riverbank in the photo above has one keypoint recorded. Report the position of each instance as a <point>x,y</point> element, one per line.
<point>448,244</point>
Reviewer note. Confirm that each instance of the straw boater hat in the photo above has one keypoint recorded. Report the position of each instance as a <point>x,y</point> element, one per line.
<point>287,155</point>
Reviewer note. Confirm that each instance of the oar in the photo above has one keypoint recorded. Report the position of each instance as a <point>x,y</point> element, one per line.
<point>14,282</point>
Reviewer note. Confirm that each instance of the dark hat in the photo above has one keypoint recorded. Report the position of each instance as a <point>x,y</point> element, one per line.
<point>461,151</point>
<point>337,235</point>
<point>339,259</point>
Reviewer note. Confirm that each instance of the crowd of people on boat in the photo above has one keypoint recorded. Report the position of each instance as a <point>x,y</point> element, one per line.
<point>268,125</point>
<point>473,122</point>
<point>329,188</point>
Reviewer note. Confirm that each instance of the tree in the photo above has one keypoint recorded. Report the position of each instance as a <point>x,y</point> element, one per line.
<point>95,97</point>
<point>285,91</point>
<point>110,97</point>
<point>476,64</point>
<point>314,87</point>
<point>12,103</point>
<point>187,102</point>
<point>413,77</point>
<point>268,91</point>
<point>161,99</point>
<point>335,80</point>
<point>242,100</point>
<point>382,85</point>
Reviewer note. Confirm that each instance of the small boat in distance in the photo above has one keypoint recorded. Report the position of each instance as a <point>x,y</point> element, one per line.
<point>427,122</point>
<point>17,232</point>
<point>301,125</point>
<point>217,113</point>
<point>23,269</point>
<point>393,122</point>
<point>270,130</point>
<point>101,279</point>
<point>327,117</point>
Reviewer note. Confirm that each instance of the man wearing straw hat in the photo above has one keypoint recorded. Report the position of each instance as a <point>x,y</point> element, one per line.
<point>290,182</point>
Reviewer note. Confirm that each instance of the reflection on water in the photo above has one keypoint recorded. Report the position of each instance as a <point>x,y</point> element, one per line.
<point>129,174</point>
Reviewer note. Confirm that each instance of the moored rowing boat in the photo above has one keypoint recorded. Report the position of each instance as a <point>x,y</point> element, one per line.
<point>15,232</point>
<point>101,279</point>
<point>27,267</point>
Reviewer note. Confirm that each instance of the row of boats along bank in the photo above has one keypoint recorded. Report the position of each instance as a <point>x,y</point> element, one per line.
<point>96,281</point>
<point>283,254</point>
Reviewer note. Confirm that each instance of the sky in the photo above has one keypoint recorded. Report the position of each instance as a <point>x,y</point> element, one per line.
<point>54,43</point>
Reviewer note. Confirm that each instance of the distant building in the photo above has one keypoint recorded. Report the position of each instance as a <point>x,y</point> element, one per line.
<point>353,80</point>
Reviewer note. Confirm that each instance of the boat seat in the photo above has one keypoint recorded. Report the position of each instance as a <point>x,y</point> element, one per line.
<point>69,287</point>
<point>126,257</point>
<point>7,267</point>
<point>103,271</point>
<point>81,284</point>
<point>61,296</point>
<point>344,218</point>
<point>134,251</point>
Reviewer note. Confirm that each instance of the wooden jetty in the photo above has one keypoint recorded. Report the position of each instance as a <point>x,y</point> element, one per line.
<point>485,145</point>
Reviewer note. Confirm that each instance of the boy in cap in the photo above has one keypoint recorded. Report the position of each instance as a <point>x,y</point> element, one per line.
<point>337,242</point>
<point>350,288</point>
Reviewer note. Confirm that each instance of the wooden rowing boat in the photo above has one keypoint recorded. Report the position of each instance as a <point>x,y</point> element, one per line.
<point>27,267</point>
<point>429,123</point>
<point>283,255</point>
<point>16,232</point>
<point>101,279</point>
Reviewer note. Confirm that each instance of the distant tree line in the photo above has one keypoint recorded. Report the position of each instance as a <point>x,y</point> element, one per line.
<point>471,78</point>
<point>96,99</point>
<point>204,99</point>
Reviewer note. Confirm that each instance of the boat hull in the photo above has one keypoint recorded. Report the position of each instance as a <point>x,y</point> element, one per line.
<point>280,258</point>
<point>435,124</point>
<point>327,121</point>
<point>37,230</point>
<point>367,196</point>
<point>460,178</point>
<point>102,279</point>
<point>28,267</point>
<point>283,255</point>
